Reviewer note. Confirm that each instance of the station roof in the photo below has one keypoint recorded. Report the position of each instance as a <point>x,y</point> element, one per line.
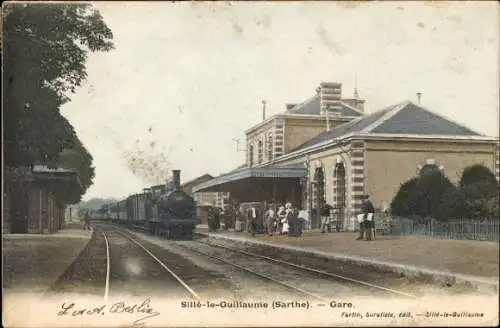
<point>402,118</point>
<point>279,171</point>
<point>42,172</point>
<point>312,106</point>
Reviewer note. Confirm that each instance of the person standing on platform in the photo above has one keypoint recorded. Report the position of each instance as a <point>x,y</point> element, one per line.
<point>369,219</point>
<point>86,221</point>
<point>293,220</point>
<point>280,219</point>
<point>217,218</point>
<point>210,219</point>
<point>325,217</point>
<point>252,220</point>
<point>270,220</point>
<point>285,220</point>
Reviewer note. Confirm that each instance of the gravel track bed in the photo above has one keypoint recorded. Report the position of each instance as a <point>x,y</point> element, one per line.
<point>135,273</point>
<point>231,283</point>
<point>208,284</point>
<point>87,274</point>
<point>351,270</point>
<point>311,282</point>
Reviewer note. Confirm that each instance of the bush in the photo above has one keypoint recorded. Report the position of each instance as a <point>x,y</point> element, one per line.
<point>477,174</point>
<point>452,204</point>
<point>399,204</point>
<point>428,194</point>
<point>422,196</point>
<point>480,189</point>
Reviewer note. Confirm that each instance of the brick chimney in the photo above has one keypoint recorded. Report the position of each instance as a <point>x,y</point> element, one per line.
<point>330,94</point>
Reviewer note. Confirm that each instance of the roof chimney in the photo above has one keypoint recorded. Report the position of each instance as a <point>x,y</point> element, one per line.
<point>264,110</point>
<point>419,96</point>
<point>329,95</point>
<point>176,174</point>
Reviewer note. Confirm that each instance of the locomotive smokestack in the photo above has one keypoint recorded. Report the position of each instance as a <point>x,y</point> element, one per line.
<point>177,179</point>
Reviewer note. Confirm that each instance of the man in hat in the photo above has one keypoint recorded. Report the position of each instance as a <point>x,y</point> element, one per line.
<point>367,226</point>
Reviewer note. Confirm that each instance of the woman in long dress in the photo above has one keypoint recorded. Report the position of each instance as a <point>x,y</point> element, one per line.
<point>280,219</point>
<point>286,223</point>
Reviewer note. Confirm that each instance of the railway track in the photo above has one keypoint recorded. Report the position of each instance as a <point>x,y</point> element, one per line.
<point>258,274</point>
<point>190,291</point>
<point>334,276</point>
<point>103,266</point>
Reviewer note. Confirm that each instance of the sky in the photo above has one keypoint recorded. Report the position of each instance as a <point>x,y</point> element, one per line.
<point>187,78</point>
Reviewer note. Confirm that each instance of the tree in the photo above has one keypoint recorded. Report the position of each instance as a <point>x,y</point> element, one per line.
<point>400,203</point>
<point>480,189</point>
<point>45,51</point>
<point>79,160</point>
<point>429,193</point>
<point>477,172</point>
<point>452,204</point>
<point>422,196</point>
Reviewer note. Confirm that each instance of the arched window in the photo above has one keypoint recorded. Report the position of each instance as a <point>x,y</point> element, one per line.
<point>270,146</point>
<point>250,155</point>
<point>429,169</point>
<point>260,152</point>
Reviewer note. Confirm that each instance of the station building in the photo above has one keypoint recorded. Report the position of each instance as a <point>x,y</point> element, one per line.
<point>205,200</point>
<point>332,139</point>
<point>30,201</point>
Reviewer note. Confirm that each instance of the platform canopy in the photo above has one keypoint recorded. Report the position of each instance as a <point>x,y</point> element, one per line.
<point>258,183</point>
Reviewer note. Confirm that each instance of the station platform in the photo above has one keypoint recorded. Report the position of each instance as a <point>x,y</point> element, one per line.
<point>33,262</point>
<point>472,261</point>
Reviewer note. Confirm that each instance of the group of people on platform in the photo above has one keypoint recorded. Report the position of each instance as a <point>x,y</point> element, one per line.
<point>285,220</point>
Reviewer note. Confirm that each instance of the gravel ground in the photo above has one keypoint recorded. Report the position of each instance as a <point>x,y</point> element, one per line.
<point>232,283</point>
<point>132,271</point>
<point>34,263</point>
<point>208,278</point>
<point>87,274</point>
<point>310,282</point>
<point>417,287</point>
<point>479,258</point>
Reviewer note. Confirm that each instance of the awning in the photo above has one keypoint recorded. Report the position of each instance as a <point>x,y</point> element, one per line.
<point>256,183</point>
<point>70,177</point>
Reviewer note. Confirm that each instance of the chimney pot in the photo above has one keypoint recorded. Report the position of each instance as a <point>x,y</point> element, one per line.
<point>176,174</point>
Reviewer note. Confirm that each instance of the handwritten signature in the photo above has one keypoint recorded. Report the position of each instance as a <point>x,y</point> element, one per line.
<point>116,308</point>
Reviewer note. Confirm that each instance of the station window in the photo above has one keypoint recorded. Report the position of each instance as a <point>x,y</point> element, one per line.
<point>270,146</point>
<point>250,155</point>
<point>260,152</point>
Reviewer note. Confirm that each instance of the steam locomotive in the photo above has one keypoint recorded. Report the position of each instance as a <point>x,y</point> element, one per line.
<point>162,210</point>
